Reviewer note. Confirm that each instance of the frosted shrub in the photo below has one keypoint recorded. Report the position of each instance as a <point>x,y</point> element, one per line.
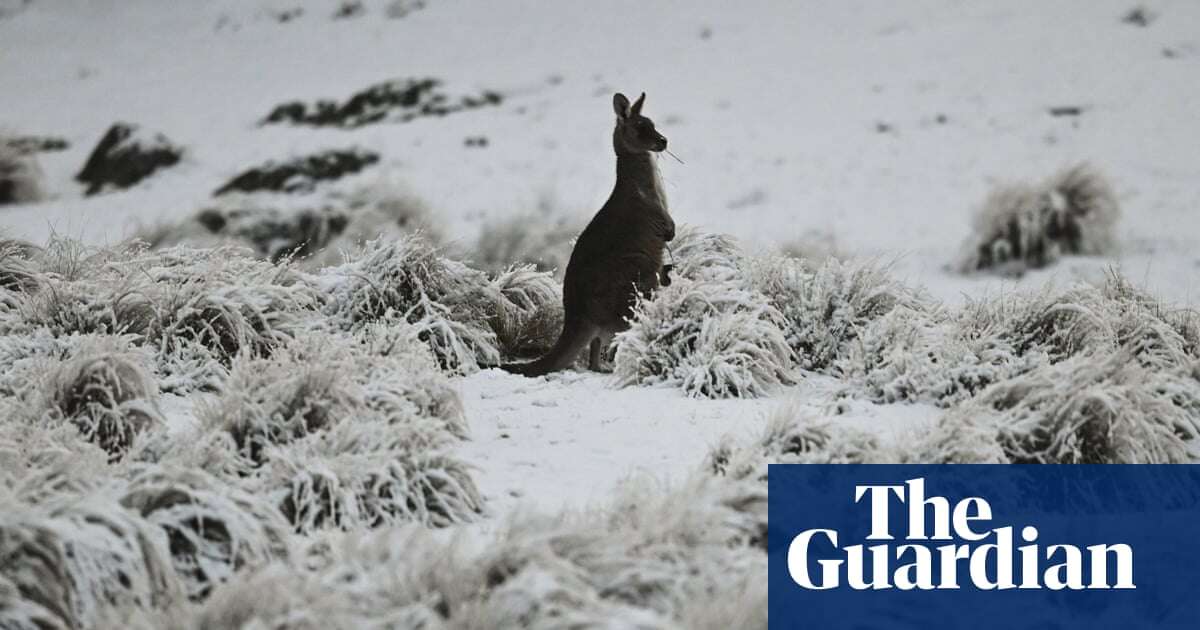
<point>826,309</point>
<point>711,339</point>
<point>213,529</point>
<point>530,317</point>
<point>1024,227</point>
<point>74,559</point>
<point>406,280</point>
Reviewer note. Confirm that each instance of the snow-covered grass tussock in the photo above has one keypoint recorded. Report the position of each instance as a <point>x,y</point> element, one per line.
<point>826,308</point>
<point>196,308</point>
<point>20,176</point>
<point>103,385</point>
<point>710,338</point>
<point>407,280</point>
<point>530,316</point>
<point>948,356</point>
<point>337,431</point>
<point>1092,409</point>
<point>68,560</point>
<point>213,528</point>
<point>643,561</point>
<point>1022,226</point>
<point>737,325</point>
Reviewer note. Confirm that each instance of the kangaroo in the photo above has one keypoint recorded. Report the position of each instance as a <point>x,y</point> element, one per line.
<point>619,254</point>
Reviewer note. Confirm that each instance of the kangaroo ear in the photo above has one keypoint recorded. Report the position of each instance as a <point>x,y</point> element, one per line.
<point>621,105</point>
<point>637,105</point>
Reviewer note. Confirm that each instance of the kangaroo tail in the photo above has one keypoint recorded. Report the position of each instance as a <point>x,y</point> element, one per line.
<point>572,341</point>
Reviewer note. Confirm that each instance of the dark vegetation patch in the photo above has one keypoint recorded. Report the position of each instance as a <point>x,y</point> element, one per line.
<point>1139,16</point>
<point>300,174</point>
<point>25,145</point>
<point>125,156</point>
<point>394,101</point>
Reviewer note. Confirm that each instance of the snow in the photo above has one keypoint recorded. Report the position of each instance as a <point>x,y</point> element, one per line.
<point>871,129</point>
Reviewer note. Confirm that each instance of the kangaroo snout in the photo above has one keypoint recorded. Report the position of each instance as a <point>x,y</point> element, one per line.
<point>660,144</point>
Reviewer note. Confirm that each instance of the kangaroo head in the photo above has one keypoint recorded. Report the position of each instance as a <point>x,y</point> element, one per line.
<point>634,133</point>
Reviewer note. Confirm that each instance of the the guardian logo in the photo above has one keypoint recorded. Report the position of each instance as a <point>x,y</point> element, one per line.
<point>972,554</point>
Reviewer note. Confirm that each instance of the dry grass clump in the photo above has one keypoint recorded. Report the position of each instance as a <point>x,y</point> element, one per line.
<point>407,280</point>
<point>213,529</point>
<point>67,561</point>
<point>712,339</point>
<point>1023,227</point>
<point>641,562</point>
<point>935,355</point>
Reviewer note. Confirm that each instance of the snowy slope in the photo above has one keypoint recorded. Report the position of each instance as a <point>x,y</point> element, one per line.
<point>774,107</point>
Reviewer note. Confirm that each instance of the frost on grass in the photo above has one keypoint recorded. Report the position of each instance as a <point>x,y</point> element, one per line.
<point>1021,227</point>
<point>700,255</point>
<point>213,529</point>
<point>347,432</point>
<point>796,436</point>
<point>365,475</point>
<point>68,561</point>
<point>270,401</point>
<point>101,385</point>
<point>1095,409</point>
<point>710,338</point>
<point>530,315</point>
<point>644,561</point>
<point>407,280</point>
<point>826,309</point>
<point>948,356</point>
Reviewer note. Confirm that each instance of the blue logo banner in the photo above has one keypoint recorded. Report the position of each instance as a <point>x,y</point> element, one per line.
<point>984,546</point>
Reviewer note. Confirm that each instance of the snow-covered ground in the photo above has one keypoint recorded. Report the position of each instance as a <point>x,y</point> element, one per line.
<point>870,128</point>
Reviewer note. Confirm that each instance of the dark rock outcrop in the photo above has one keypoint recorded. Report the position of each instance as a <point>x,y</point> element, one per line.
<point>125,156</point>
<point>300,174</point>
<point>395,101</point>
